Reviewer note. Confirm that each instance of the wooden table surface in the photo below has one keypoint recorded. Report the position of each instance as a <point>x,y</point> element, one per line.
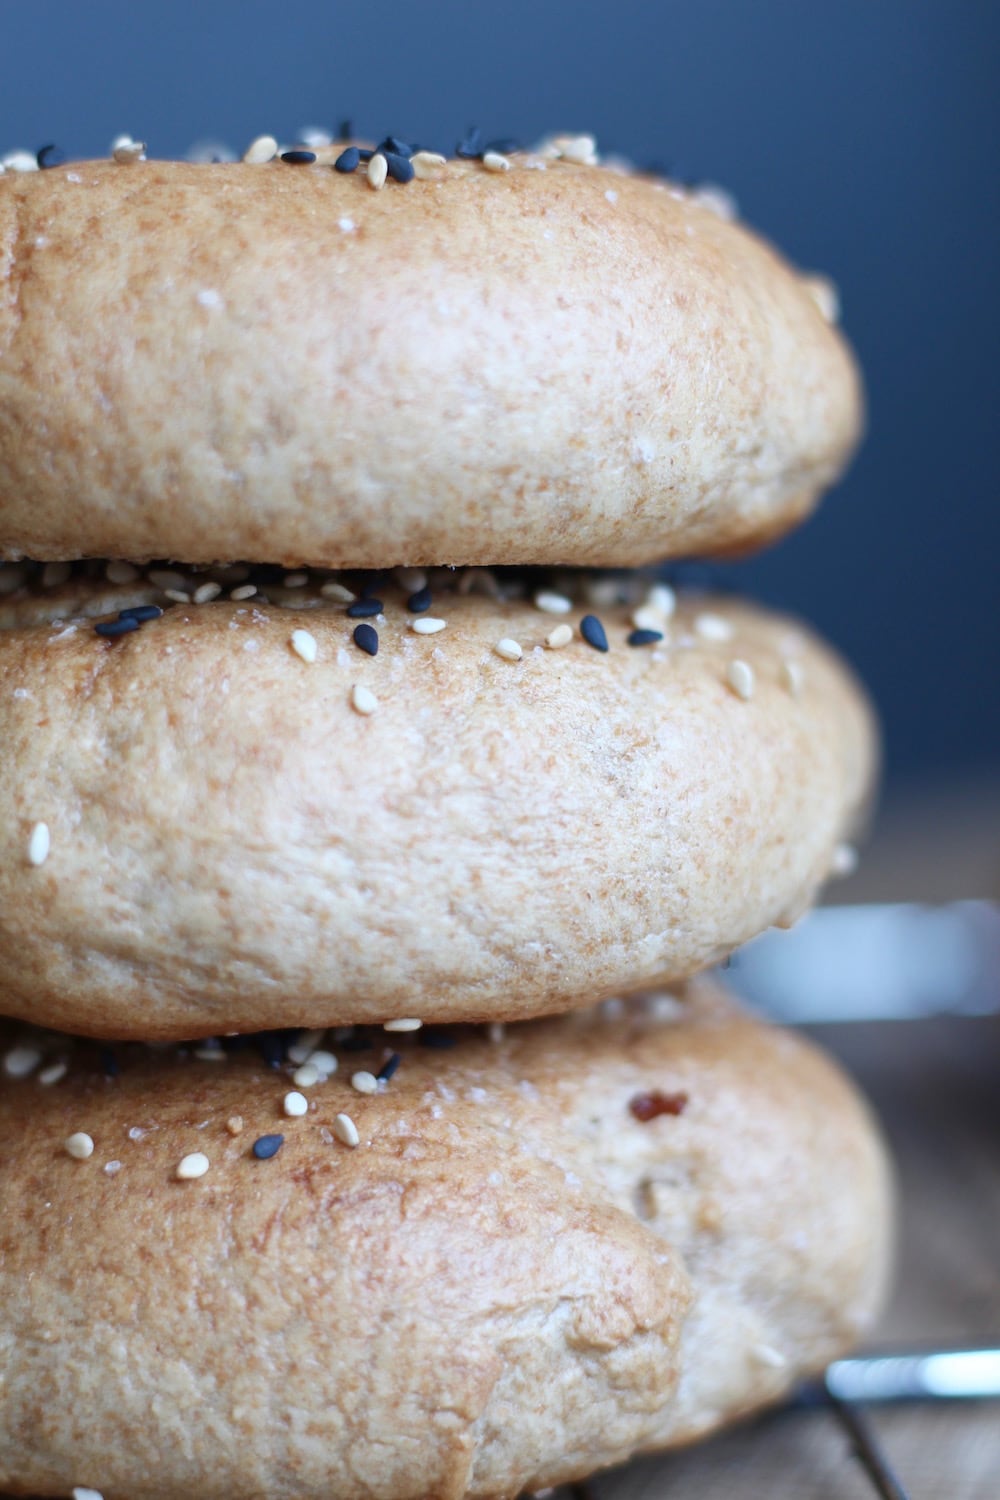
<point>936,1086</point>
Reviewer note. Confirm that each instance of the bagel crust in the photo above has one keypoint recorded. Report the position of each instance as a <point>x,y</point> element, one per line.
<point>232,843</point>
<point>558,363</point>
<point>516,1277</point>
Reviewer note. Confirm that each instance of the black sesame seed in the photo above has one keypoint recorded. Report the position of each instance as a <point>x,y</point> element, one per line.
<point>645,637</point>
<point>593,632</point>
<point>419,601</point>
<point>366,636</point>
<point>389,1067</point>
<point>470,147</point>
<point>298,158</point>
<point>363,609</point>
<point>49,156</point>
<point>273,1047</point>
<point>109,1063</point>
<point>400,168</point>
<point>504,146</point>
<point>372,586</point>
<point>392,145</point>
<point>266,1146</point>
<point>141,612</point>
<point>110,628</point>
<point>347,160</point>
<point>366,153</point>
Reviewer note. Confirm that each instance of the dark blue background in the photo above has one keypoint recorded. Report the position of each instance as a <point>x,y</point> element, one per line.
<point>861,135</point>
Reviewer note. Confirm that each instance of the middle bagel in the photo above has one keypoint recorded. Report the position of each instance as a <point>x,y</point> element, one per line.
<point>232,843</point>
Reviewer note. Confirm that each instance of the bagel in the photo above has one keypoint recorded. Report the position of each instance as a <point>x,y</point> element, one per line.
<point>595,1236</point>
<point>557,363</point>
<point>234,818</point>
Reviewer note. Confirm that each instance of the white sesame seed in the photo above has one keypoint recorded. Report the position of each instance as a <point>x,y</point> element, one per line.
<point>324,1062</point>
<point>793,675</point>
<point>315,137</point>
<point>211,1054</point>
<point>56,573</point>
<point>364,1082</point>
<point>510,650</point>
<point>560,636</point>
<point>245,591</point>
<point>120,571</point>
<point>304,1045</point>
<point>553,604</point>
<point>295,1105</point>
<point>177,596</point>
<point>717,200</point>
<point>497,1032</point>
<point>378,168</point>
<point>427,625</point>
<point>112,1168</point>
<point>410,579</point>
<point>662,598</point>
<point>345,1130</point>
<point>206,592</point>
<point>845,861</point>
<point>21,161</point>
<point>645,618</point>
<point>21,1061</point>
<point>192,1166</point>
<point>264,148</point>
<point>80,1493</point>
<point>304,645</point>
<point>53,1073</point>
<point>363,700</point>
<point>713,628</point>
<point>339,592</point>
<point>739,675</point>
<point>427,164</point>
<point>579,148</point>
<point>126,153</point>
<point>165,578</point>
<point>495,161</point>
<point>408,1024</point>
<point>305,1076</point>
<point>79,1145</point>
<point>345,224</point>
<point>825,295</point>
<point>39,844</point>
<point>295,580</point>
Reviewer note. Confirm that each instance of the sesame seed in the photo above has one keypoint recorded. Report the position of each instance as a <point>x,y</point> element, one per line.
<point>304,1046</point>
<point>593,633</point>
<point>713,628</point>
<point>295,580</point>
<point>497,1032</point>
<point>266,1146</point>
<point>235,1124</point>
<point>298,158</point>
<point>325,1063</point>
<point>495,161</point>
<point>315,135</point>
<point>400,167</point>
<point>645,618</point>
<point>363,700</point>
<point>411,580</point>
<point>740,676</point>
<point>192,1166</point>
<point>389,1067</point>
<point>245,591</point>
<point>845,861</point>
<point>163,578</point>
<point>206,592</point>
<point>560,636</point>
<point>119,571</point>
<point>825,295</point>
<point>21,161</point>
<point>80,1493</point>
<point>347,160</point>
<point>419,601</point>
<point>141,612</point>
<point>305,1076</point>
<point>764,1354</point>
<point>644,637</point>
<point>210,1051</point>
<point>378,170</point>
<point>109,629</point>
<point>177,596</point>
<point>53,1073</point>
<point>427,165</point>
<point>552,603</point>
<point>407,1024</point>
<point>508,649</point>
<point>792,675</point>
<point>79,1145</point>
<point>365,609</point>
<point>295,1104</point>
<point>662,599</point>
<point>345,1130</point>
<point>125,152</point>
<point>39,844</point>
<point>427,625</point>
<point>263,148</point>
<point>304,645</point>
<point>364,1082</point>
<point>366,637</point>
<point>54,574</point>
<point>339,592</point>
<point>19,1062</point>
<point>578,148</point>
<point>471,145</point>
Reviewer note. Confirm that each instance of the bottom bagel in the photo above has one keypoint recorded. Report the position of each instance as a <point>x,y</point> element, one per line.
<point>547,1250</point>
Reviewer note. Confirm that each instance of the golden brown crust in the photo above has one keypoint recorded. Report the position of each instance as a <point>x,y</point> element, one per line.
<point>559,364</point>
<point>510,1282</point>
<point>234,847</point>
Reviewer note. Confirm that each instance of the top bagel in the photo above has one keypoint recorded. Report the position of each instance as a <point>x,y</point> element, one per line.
<point>553,363</point>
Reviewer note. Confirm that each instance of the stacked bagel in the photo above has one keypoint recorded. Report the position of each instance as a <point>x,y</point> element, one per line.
<point>368,804</point>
